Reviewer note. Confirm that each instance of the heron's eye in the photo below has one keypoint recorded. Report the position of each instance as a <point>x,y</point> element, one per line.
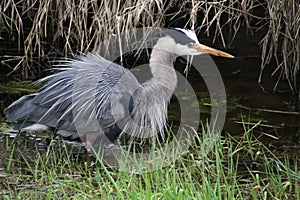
<point>190,45</point>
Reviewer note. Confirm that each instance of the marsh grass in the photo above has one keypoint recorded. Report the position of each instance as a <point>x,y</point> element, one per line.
<point>68,28</point>
<point>55,29</point>
<point>282,41</point>
<point>235,168</point>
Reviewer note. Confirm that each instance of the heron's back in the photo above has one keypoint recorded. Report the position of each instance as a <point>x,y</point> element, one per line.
<point>87,88</point>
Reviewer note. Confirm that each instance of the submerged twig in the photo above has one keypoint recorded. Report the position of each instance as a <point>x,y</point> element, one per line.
<point>269,110</point>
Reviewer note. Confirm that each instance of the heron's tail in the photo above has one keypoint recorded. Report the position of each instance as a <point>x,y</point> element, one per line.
<point>20,110</point>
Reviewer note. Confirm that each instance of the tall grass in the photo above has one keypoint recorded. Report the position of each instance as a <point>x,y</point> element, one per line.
<point>67,28</point>
<point>282,41</point>
<point>217,17</point>
<point>235,168</point>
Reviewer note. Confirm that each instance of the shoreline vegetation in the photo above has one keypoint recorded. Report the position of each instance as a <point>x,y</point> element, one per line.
<point>236,168</point>
<point>43,30</point>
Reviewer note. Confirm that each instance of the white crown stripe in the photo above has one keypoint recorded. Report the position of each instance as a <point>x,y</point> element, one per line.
<point>191,34</point>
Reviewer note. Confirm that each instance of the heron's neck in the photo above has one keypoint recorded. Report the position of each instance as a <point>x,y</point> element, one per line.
<point>162,68</point>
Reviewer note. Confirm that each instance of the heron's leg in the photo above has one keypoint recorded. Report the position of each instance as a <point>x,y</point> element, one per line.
<point>90,140</point>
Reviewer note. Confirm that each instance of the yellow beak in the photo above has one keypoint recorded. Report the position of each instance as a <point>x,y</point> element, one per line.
<point>212,51</point>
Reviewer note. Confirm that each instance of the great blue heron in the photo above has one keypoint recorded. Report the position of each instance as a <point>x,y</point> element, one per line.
<point>115,109</point>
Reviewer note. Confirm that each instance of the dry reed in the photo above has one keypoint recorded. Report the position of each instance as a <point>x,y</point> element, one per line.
<point>282,41</point>
<point>69,27</point>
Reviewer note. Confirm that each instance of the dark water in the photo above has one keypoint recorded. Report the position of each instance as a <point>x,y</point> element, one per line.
<point>247,104</point>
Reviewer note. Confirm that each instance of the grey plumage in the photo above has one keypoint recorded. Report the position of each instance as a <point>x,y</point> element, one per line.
<point>91,91</point>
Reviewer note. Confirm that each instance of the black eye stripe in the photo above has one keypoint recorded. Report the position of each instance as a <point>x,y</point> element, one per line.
<point>179,36</point>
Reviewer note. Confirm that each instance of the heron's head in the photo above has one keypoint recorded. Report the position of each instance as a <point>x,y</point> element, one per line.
<point>186,43</point>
